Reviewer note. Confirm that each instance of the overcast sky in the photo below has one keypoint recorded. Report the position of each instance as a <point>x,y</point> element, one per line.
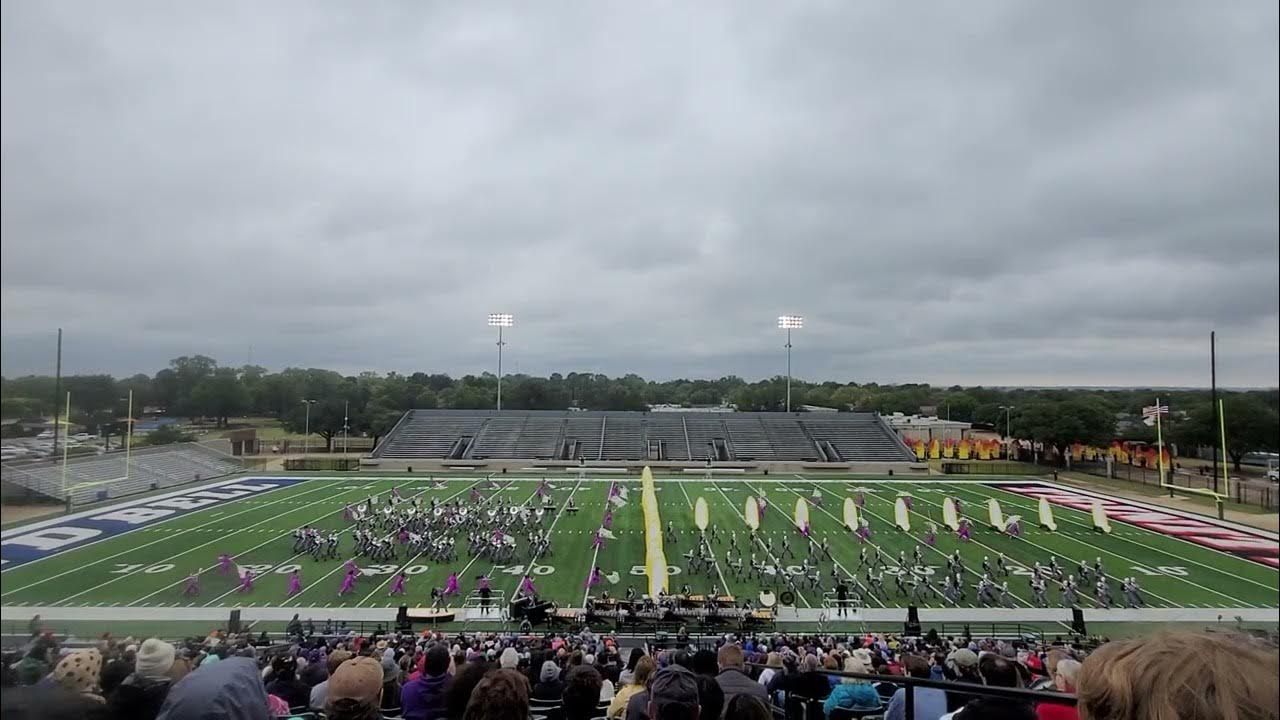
<point>965,192</point>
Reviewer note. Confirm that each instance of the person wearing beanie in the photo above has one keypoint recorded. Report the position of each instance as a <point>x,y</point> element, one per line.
<point>426,696</point>
<point>143,692</point>
<point>509,659</point>
<point>78,672</point>
<point>549,686</point>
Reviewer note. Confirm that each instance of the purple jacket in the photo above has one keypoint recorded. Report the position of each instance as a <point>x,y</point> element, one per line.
<point>423,698</point>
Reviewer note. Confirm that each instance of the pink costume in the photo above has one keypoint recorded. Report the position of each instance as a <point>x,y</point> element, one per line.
<point>347,513</point>
<point>246,582</point>
<point>497,537</point>
<point>397,584</point>
<point>451,585</point>
<point>395,493</point>
<point>295,583</point>
<point>594,578</point>
<point>542,489</point>
<point>352,568</point>
<point>906,500</point>
<point>860,500</point>
<point>761,505</point>
<point>483,584</point>
<point>963,531</point>
<point>930,537</point>
<point>404,535</point>
<point>193,585</point>
<point>475,495</point>
<point>224,564</point>
<point>614,490</point>
<point>804,530</point>
<point>526,586</point>
<point>597,541</point>
<point>348,583</point>
<point>1014,529</point>
<point>864,533</point>
<point>608,519</point>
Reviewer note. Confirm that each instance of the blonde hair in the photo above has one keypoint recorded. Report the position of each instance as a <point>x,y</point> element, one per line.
<point>1180,676</point>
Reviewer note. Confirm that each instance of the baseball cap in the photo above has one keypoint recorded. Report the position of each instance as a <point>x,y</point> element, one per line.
<point>674,685</point>
<point>359,679</point>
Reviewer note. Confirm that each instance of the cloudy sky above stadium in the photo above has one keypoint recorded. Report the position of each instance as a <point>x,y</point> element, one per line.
<point>970,192</point>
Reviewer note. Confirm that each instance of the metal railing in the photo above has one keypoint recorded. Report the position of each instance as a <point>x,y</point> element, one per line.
<point>910,684</point>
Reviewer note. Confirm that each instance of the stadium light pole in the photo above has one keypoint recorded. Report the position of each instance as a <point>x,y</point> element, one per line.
<point>306,428</point>
<point>789,323</point>
<point>500,320</point>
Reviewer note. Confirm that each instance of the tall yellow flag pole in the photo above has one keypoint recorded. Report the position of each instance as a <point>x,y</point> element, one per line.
<point>1160,443</point>
<point>1226,486</point>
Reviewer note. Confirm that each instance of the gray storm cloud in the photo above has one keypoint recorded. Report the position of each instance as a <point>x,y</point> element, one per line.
<point>993,192</point>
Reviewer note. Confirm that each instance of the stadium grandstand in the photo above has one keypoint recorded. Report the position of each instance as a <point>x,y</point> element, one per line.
<point>640,437</point>
<point>103,477</point>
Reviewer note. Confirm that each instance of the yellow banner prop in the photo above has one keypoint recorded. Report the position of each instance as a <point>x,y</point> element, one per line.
<point>655,558</point>
<point>901,517</point>
<point>851,514</point>
<point>1101,522</point>
<point>950,517</point>
<point>751,513</point>
<point>995,514</point>
<point>802,513</point>
<point>701,516</point>
<point>1046,515</point>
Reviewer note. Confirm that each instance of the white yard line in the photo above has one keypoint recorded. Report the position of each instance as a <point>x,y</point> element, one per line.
<point>326,499</point>
<point>1070,519</point>
<point>777,564</point>
<point>168,538</point>
<point>411,560</point>
<point>341,531</point>
<point>1114,554</point>
<point>272,539</point>
<point>714,561</point>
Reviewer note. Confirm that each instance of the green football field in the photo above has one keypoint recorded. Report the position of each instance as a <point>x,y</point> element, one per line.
<point>147,567</point>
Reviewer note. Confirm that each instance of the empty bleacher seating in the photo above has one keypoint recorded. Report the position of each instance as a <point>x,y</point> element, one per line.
<point>637,436</point>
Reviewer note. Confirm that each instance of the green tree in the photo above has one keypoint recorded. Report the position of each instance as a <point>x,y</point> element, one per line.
<point>1061,424</point>
<point>219,396</point>
<point>167,435</point>
<point>1252,426</point>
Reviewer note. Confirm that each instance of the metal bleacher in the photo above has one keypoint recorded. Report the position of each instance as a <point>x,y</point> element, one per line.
<point>859,441</point>
<point>102,477</point>
<point>633,436</point>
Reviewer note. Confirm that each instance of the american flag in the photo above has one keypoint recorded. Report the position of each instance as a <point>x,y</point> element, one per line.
<point>1151,411</point>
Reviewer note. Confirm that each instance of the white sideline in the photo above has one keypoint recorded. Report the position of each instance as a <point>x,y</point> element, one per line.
<point>809,616</point>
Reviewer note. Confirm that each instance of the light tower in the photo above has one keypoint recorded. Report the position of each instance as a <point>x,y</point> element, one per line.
<point>500,320</point>
<point>789,323</point>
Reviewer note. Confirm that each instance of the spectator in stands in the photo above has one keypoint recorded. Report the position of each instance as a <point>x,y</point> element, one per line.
<point>733,678</point>
<point>425,697</point>
<point>703,662</point>
<point>142,693</point>
<point>582,693</point>
<point>641,673</point>
<point>1064,680</point>
<point>773,665</point>
<point>285,683</point>
<point>549,686</point>
<point>852,693</point>
<point>503,694</point>
<point>627,676</point>
<point>1205,676</point>
<point>113,674</point>
<point>34,664</point>
<point>808,681</point>
<point>228,689</point>
<point>710,697</point>
<point>961,666</point>
<point>320,692</point>
<point>390,681</point>
<point>464,683</point>
<point>79,671</point>
<point>673,695</point>
<point>355,691</point>
<point>48,703</point>
<point>929,702</point>
<point>995,671</point>
<point>510,659</point>
<point>747,708</point>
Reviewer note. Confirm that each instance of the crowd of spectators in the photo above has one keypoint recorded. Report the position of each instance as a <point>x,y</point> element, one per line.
<point>582,676</point>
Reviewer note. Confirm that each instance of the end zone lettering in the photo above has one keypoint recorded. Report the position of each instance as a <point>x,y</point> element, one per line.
<point>50,537</point>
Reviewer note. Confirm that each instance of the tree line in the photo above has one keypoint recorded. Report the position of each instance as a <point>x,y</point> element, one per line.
<point>197,386</point>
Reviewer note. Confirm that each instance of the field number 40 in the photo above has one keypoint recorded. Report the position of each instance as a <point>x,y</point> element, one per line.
<point>1175,570</point>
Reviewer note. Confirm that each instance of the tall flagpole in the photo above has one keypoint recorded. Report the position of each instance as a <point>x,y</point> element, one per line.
<point>128,435</point>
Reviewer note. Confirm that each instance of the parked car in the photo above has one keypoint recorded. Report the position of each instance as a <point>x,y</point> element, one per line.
<point>83,436</point>
<point>46,435</point>
<point>1273,475</point>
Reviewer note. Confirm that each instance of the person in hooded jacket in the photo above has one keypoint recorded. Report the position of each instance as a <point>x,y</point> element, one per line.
<point>229,689</point>
<point>426,696</point>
